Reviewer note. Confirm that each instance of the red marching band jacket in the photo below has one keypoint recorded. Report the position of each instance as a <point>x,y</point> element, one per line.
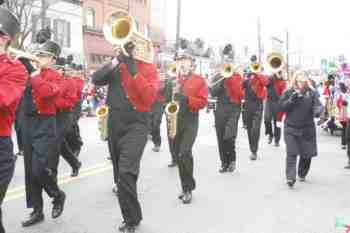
<point>79,85</point>
<point>142,90</point>
<point>67,95</point>
<point>45,91</point>
<point>258,84</point>
<point>279,86</point>
<point>233,88</point>
<point>13,76</point>
<point>196,90</point>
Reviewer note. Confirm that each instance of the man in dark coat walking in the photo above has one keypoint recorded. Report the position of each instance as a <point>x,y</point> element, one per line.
<point>302,105</point>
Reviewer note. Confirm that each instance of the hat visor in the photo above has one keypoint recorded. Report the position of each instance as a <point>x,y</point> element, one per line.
<point>37,52</point>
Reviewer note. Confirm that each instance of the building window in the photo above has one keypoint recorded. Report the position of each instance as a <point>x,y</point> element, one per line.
<point>62,32</point>
<point>90,17</point>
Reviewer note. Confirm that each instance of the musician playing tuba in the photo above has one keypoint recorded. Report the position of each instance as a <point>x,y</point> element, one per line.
<point>133,83</point>
<point>191,94</point>
<point>229,95</point>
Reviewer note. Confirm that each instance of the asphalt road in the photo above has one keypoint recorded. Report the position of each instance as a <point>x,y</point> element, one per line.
<point>255,198</point>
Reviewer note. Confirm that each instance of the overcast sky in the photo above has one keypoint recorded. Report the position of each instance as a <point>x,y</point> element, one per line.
<point>319,28</point>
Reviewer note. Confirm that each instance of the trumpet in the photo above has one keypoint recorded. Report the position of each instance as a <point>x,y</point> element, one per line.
<point>102,115</point>
<point>227,70</point>
<point>120,28</point>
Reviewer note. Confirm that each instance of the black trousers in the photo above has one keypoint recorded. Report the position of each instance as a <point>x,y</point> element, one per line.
<point>270,121</point>
<point>183,143</point>
<point>156,121</point>
<point>291,164</point>
<point>343,133</point>
<point>226,125</point>
<point>7,167</point>
<point>244,115</point>
<point>127,138</point>
<point>347,137</point>
<point>254,117</point>
<point>64,124</point>
<point>73,137</point>
<point>40,159</point>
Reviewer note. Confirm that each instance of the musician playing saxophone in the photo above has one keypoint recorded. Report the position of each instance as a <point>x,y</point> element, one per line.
<point>192,95</point>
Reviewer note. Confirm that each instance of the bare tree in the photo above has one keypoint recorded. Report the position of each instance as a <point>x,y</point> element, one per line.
<point>23,10</point>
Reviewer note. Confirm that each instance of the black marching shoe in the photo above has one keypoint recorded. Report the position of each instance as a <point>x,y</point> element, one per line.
<point>232,166</point>
<point>269,140</point>
<point>181,195</point>
<point>75,171</point>
<point>35,217</point>
<point>172,164</point>
<point>277,144</point>
<point>187,198</point>
<point>290,183</point>
<point>223,169</point>
<point>253,156</point>
<point>58,205</point>
<point>302,179</point>
<point>347,167</point>
<point>125,228</point>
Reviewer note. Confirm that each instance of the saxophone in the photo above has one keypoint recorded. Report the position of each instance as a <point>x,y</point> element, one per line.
<point>102,115</point>
<point>171,111</point>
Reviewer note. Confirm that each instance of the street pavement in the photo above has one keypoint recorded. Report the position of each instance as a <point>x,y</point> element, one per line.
<point>253,199</point>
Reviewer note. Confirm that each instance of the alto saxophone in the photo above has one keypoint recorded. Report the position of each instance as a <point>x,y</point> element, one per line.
<point>171,112</point>
<point>102,115</point>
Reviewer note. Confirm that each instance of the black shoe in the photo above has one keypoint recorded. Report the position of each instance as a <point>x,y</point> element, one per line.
<point>181,195</point>
<point>302,179</point>
<point>156,148</point>
<point>58,205</point>
<point>253,156</point>
<point>347,167</point>
<point>187,198</point>
<point>75,171</point>
<point>173,164</point>
<point>269,140</point>
<point>290,183</point>
<point>127,228</point>
<point>232,166</point>
<point>277,144</point>
<point>115,190</point>
<point>223,169</point>
<point>109,158</point>
<point>34,218</point>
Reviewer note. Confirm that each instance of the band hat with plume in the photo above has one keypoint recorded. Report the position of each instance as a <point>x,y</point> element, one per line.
<point>184,50</point>
<point>49,48</point>
<point>9,23</point>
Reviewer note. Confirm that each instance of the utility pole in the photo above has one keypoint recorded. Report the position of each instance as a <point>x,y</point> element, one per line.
<point>287,54</point>
<point>178,22</point>
<point>43,13</point>
<point>259,40</point>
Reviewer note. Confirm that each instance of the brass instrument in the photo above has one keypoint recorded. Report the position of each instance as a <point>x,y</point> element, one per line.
<point>171,71</point>
<point>15,54</point>
<point>120,28</point>
<point>171,111</point>
<point>275,62</point>
<point>226,71</point>
<point>102,115</point>
<point>255,67</point>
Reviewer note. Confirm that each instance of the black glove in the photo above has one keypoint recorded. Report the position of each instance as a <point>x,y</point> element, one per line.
<point>345,103</point>
<point>26,63</point>
<point>180,97</point>
<point>129,62</point>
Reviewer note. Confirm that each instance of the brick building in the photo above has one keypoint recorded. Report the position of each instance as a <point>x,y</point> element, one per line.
<point>97,49</point>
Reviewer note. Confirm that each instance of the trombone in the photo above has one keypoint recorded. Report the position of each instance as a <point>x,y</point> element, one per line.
<point>226,71</point>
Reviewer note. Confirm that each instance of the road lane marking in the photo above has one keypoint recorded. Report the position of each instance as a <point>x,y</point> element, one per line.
<point>19,192</point>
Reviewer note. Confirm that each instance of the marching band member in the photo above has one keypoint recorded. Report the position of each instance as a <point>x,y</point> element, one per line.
<point>40,144</point>
<point>156,118</point>
<point>132,88</point>
<point>191,93</point>
<point>301,104</point>
<point>229,95</point>
<point>346,106</point>
<point>254,94</point>
<point>65,102</point>
<point>12,80</point>
<point>275,88</point>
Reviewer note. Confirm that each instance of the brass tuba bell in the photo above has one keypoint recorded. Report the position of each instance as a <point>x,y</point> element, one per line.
<point>120,28</point>
<point>172,71</point>
<point>255,67</point>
